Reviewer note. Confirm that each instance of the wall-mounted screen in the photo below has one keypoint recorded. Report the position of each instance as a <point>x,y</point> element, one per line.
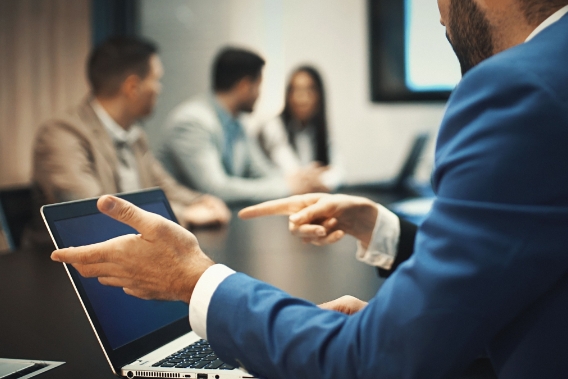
<point>411,59</point>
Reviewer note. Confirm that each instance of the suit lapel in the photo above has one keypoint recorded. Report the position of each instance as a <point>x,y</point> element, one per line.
<point>141,151</point>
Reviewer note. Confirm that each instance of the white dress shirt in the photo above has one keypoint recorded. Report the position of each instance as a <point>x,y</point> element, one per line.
<point>381,251</point>
<point>128,178</point>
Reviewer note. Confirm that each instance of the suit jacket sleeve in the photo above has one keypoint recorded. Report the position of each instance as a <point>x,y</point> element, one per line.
<point>56,146</point>
<point>490,248</point>
<point>195,155</point>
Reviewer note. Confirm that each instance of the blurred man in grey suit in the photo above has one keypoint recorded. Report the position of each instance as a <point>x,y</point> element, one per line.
<point>97,148</point>
<point>207,148</point>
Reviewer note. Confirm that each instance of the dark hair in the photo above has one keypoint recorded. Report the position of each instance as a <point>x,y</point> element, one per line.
<point>232,65</point>
<point>115,59</point>
<point>319,120</point>
<point>536,11</point>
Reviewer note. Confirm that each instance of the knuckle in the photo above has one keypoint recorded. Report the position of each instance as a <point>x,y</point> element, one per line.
<point>160,228</point>
<point>126,213</point>
<point>88,271</point>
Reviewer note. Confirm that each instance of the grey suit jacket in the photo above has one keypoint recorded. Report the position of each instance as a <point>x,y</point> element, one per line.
<point>75,158</point>
<point>193,152</point>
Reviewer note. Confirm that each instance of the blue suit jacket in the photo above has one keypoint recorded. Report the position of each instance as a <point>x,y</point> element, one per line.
<point>489,273</point>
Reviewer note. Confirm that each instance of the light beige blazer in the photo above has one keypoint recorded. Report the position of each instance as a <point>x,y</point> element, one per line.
<point>75,158</point>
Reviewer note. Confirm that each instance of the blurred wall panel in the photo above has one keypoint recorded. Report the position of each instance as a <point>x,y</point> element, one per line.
<point>43,47</point>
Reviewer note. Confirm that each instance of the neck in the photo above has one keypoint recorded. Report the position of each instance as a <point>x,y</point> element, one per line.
<point>511,26</point>
<point>229,101</point>
<point>118,112</point>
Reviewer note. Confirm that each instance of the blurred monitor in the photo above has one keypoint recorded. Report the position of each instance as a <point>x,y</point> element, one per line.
<point>411,59</point>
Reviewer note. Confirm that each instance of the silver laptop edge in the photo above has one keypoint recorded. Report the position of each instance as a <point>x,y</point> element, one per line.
<point>78,295</point>
<point>134,370</point>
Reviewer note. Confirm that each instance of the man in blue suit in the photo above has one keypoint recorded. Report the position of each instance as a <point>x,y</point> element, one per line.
<point>489,268</point>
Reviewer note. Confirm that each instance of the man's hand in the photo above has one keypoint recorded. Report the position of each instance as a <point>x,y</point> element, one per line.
<point>345,304</point>
<point>321,218</point>
<point>307,179</point>
<point>163,262</point>
<point>207,210</point>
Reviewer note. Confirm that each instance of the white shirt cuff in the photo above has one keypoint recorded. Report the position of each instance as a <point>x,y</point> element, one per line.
<point>202,294</point>
<point>383,247</point>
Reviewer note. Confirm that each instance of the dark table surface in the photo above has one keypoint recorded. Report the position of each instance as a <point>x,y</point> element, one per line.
<point>41,317</point>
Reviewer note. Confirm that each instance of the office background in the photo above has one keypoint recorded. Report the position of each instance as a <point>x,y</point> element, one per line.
<point>44,45</point>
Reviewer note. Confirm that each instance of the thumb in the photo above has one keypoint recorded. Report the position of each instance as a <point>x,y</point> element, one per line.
<point>314,212</point>
<point>127,213</point>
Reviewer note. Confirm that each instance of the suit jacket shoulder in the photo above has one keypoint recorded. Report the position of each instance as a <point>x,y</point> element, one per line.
<point>489,271</point>
<point>74,157</point>
<point>198,111</point>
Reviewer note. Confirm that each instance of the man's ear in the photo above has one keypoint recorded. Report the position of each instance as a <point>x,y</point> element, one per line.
<point>131,85</point>
<point>243,85</point>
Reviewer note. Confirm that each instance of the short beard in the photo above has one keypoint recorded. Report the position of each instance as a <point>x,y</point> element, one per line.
<point>247,107</point>
<point>470,34</point>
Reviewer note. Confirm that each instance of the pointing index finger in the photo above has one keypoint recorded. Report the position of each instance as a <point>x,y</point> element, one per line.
<point>286,206</point>
<point>83,255</point>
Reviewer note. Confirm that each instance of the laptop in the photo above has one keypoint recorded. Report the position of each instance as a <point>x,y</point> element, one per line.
<point>24,369</point>
<point>139,338</point>
<point>403,184</point>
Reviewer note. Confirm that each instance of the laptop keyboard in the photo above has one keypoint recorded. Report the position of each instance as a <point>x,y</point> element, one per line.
<point>197,355</point>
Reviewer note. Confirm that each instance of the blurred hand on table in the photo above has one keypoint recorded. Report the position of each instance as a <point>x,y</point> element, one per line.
<point>206,210</point>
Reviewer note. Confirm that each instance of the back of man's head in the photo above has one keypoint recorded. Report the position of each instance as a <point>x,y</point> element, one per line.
<point>114,60</point>
<point>232,65</point>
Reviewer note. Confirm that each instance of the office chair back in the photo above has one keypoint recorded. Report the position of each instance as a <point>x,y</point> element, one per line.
<point>15,214</point>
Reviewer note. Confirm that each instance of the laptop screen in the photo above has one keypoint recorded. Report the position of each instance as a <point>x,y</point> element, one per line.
<point>123,318</point>
<point>127,327</point>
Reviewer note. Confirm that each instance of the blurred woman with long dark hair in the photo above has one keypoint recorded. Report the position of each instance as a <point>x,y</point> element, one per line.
<point>299,136</point>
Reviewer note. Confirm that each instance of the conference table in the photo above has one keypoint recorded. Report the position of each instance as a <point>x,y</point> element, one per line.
<point>41,317</point>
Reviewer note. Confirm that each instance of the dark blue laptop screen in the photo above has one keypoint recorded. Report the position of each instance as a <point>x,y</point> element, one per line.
<point>123,318</point>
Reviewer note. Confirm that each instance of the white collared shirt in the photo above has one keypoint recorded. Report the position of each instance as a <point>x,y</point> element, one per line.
<point>381,251</point>
<point>549,21</point>
<point>127,170</point>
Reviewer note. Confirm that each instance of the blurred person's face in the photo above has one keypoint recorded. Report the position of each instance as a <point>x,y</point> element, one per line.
<point>469,31</point>
<point>249,90</point>
<point>145,93</point>
<point>303,97</point>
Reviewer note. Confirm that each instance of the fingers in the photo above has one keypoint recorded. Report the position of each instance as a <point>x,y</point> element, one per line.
<point>104,270</point>
<point>316,211</point>
<point>308,230</point>
<point>127,213</point>
<point>330,305</point>
<point>137,293</point>
<point>107,251</point>
<point>315,230</point>
<point>330,239</point>
<point>327,240</point>
<point>219,208</point>
<point>81,255</point>
<point>285,206</point>
<point>115,282</point>
<point>224,214</point>
<point>345,304</point>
